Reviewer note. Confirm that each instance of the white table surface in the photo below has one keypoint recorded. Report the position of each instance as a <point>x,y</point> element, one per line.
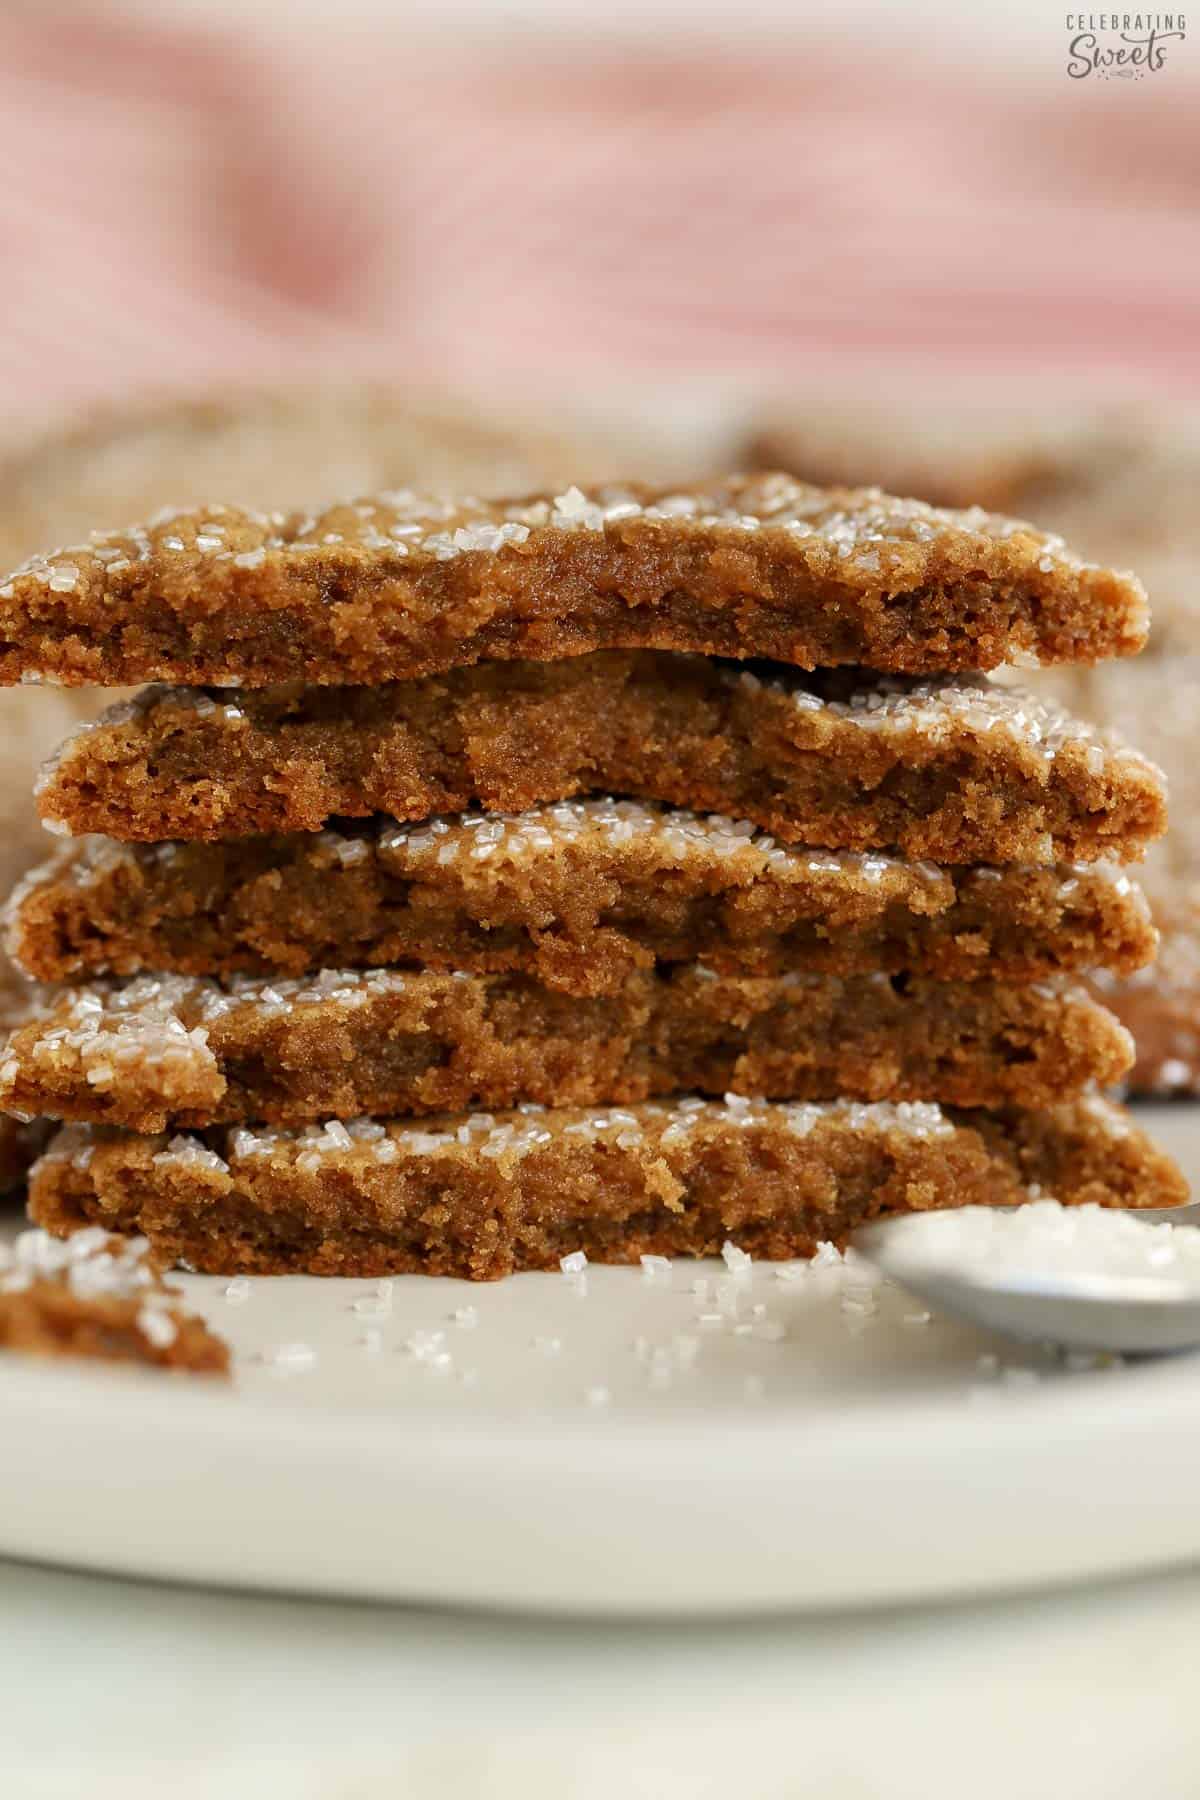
<point>120,1688</point>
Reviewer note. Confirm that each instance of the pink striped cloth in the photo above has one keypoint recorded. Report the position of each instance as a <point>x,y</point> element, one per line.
<point>183,205</point>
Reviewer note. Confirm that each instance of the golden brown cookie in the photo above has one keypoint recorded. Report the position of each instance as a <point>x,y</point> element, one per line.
<point>168,1051</point>
<point>578,894</point>
<point>958,770</point>
<point>99,1296</point>
<point>480,1195</point>
<point>402,586</point>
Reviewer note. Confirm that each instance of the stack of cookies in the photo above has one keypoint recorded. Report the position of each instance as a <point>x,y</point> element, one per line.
<point>620,872</point>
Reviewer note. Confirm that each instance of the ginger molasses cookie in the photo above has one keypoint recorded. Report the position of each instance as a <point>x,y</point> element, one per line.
<point>401,586</point>
<point>578,894</point>
<point>169,1051</point>
<point>955,769</point>
<point>480,1195</point>
<point>97,1295</point>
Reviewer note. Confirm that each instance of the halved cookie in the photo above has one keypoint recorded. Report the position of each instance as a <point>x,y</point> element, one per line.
<point>578,894</point>
<point>165,1050</point>
<point>398,586</point>
<point>479,1195</point>
<point>956,769</point>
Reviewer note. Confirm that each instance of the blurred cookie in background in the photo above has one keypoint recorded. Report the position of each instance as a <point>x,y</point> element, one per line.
<point>288,447</point>
<point>1120,483</point>
<point>1158,695</point>
<point>1160,1005</point>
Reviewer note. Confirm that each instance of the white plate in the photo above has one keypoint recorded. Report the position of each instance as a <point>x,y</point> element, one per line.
<point>614,1451</point>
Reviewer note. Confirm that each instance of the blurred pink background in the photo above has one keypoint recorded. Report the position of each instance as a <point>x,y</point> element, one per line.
<point>190,198</point>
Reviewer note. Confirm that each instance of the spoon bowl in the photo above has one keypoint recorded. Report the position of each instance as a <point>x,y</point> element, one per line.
<point>1137,1315</point>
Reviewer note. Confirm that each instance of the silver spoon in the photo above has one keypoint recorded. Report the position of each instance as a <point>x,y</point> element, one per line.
<point>1141,1314</point>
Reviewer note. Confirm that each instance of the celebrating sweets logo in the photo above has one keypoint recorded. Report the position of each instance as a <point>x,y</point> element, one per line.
<point>1121,46</point>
